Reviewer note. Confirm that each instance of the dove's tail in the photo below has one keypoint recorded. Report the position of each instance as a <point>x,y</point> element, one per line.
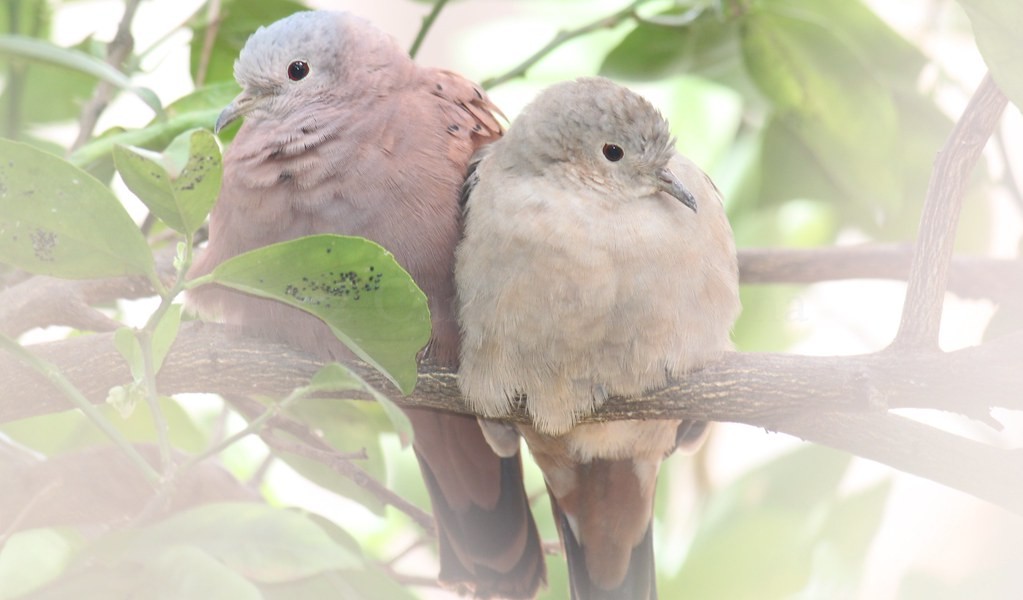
<point>608,533</point>
<point>489,545</point>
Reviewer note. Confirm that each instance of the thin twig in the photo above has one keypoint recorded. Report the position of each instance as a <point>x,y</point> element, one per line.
<point>626,14</point>
<point>60,381</point>
<point>25,510</point>
<point>428,21</point>
<point>928,276</point>
<point>145,341</point>
<point>118,51</point>
<point>259,475</point>
<point>209,39</point>
<point>346,468</point>
<point>308,444</point>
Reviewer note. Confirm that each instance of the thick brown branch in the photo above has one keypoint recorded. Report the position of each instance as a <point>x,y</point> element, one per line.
<point>822,399</point>
<point>928,279</point>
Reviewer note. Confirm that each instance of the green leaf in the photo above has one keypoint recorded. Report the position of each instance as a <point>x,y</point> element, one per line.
<point>173,573</point>
<point>17,47</point>
<point>56,219</point>
<point>196,110</point>
<point>70,430</point>
<point>127,344</point>
<point>185,571</point>
<point>180,199</point>
<point>29,559</point>
<point>996,26</point>
<point>768,548</point>
<point>853,522</point>
<point>707,47</point>
<point>766,525</point>
<point>369,584</point>
<point>263,544</point>
<point>370,302</point>
<point>806,64</point>
<point>42,93</point>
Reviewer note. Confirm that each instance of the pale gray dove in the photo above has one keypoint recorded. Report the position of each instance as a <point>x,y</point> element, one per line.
<point>344,134</point>
<point>595,261</point>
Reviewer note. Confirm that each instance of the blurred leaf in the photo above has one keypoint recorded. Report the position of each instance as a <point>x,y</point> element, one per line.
<point>348,427</point>
<point>70,430</point>
<point>755,554</point>
<point>853,522</point>
<point>29,559</point>
<point>177,573</point>
<point>30,17</point>
<point>263,544</point>
<point>339,378</point>
<point>705,118</point>
<point>56,219</point>
<point>188,572</point>
<point>801,481</point>
<point>369,584</point>
<point>196,110</point>
<point>808,71</point>
<point>370,303</point>
<point>238,20</point>
<point>43,93</point>
<point>771,523</point>
<point>996,25</point>
<point>93,584</point>
<point>180,199</point>
<point>708,47</point>
<point>23,48</point>
<point>128,347</point>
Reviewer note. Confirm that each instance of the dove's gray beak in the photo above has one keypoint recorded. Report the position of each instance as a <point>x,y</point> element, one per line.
<point>242,103</point>
<point>671,184</point>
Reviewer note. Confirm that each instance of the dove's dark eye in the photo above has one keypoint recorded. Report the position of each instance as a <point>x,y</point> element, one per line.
<point>613,152</point>
<point>298,70</point>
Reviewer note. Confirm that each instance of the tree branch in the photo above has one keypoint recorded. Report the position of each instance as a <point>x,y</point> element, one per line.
<point>428,22</point>
<point>44,301</point>
<point>608,22</point>
<point>838,401</point>
<point>928,277</point>
<point>117,52</point>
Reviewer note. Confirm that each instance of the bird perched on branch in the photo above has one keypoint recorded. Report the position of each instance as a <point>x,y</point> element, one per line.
<point>344,134</point>
<point>595,261</point>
